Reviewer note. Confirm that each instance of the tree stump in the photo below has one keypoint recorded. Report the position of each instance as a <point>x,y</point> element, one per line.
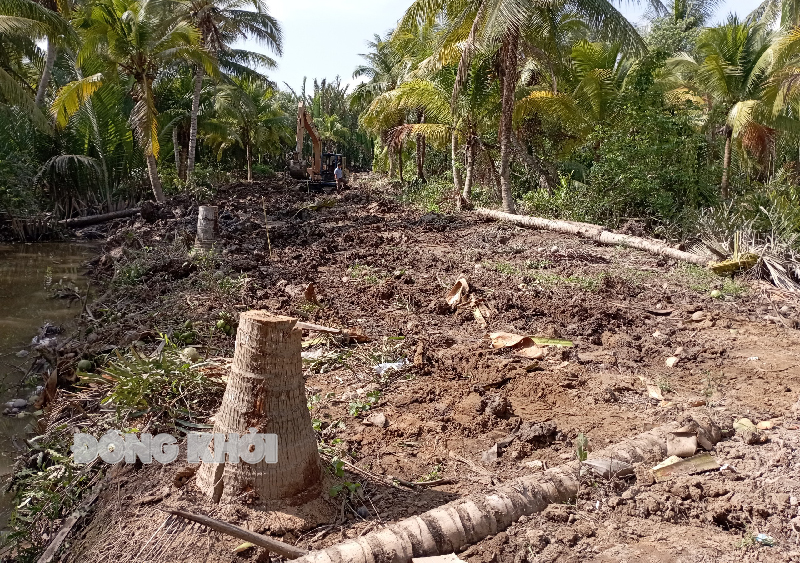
<point>266,391</point>
<point>207,227</point>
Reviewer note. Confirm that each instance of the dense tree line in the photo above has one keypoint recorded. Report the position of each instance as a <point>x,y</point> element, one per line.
<point>566,107</point>
<point>562,106</point>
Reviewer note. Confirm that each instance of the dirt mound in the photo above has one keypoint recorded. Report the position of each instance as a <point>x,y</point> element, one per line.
<point>384,269</point>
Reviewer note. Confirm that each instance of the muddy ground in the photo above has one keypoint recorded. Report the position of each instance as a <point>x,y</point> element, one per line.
<point>384,268</point>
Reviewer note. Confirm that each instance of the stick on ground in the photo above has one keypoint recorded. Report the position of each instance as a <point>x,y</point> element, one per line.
<point>275,546</point>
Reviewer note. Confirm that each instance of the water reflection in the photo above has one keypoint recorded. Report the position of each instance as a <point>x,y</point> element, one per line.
<point>30,274</point>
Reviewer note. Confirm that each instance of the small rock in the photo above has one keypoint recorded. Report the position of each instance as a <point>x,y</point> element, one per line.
<point>536,465</point>
<point>19,403</point>
<point>672,361</point>
<point>716,294</point>
<point>491,455</point>
<point>363,511</point>
<point>630,493</point>
<point>191,354</point>
<point>22,354</point>
<point>698,316</point>
<point>14,411</point>
<point>377,419</point>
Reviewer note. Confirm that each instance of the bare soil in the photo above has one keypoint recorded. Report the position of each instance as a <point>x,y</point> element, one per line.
<point>384,269</point>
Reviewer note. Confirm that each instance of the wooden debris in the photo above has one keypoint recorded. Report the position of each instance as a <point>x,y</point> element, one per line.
<point>472,465</point>
<point>275,546</point>
<point>681,444</point>
<point>742,263</point>
<point>79,222</point>
<point>608,468</point>
<point>697,464</point>
<point>310,294</point>
<point>67,526</point>
<point>457,292</point>
<point>318,328</point>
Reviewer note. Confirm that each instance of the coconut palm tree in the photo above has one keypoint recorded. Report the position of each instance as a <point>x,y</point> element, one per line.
<point>221,24</point>
<point>499,26</point>
<point>730,72</point>
<point>475,115</point>
<point>787,12</point>
<point>248,115</point>
<point>22,23</point>
<point>131,41</point>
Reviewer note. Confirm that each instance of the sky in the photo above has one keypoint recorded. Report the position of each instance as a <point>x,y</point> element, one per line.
<point>322,38</point>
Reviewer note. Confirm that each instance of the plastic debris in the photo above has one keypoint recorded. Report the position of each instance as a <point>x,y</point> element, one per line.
<point>655,392</point>
<point>398,365</point>
<point>764,539</point>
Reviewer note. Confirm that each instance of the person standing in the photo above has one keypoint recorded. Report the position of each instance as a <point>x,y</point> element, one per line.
<point>339,174</point>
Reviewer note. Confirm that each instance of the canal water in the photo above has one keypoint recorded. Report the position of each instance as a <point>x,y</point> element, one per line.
<point>30,276</point>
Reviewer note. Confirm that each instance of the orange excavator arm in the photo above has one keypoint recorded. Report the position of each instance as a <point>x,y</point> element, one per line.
<point>304,123</point>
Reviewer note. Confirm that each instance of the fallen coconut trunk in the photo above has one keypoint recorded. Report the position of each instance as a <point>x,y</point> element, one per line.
<point>97,219</point>
<point>597,234</point>
<point>452,527</point>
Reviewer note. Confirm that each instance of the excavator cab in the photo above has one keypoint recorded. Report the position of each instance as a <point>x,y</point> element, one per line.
<point>329,162</point>
<point>320,171</point>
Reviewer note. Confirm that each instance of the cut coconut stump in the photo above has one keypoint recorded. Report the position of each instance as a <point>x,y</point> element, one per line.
<point>207,227</point>
<point>266,391</point>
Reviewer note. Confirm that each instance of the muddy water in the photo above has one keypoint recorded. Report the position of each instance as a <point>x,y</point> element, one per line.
<point>30,275</point>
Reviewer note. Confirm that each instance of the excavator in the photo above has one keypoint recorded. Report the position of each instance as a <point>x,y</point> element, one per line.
<point>320,171</point>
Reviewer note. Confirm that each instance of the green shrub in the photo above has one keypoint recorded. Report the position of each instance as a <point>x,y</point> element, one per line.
<point>263,171</point>
<point>166,386</point>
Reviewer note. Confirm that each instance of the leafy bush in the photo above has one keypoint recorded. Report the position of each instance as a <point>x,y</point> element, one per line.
<point>167,386</point>
<point>263,171</point>
<point>45,490</point>
<point>17,175</point>
<point>648,162</point>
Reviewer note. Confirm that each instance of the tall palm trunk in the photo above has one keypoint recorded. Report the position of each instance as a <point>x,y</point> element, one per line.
<point>249,162</point>
<point>470,176</point>
<point>176,149</point>
<point>52,52</point>
<point>184,154</point>
<point>508,75</point>
<point>457,182</point>
<point>155,181</point>
<point>400,162</point>
<point>198,87</point>
<point>726,161</point>
<point>421,151</point>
